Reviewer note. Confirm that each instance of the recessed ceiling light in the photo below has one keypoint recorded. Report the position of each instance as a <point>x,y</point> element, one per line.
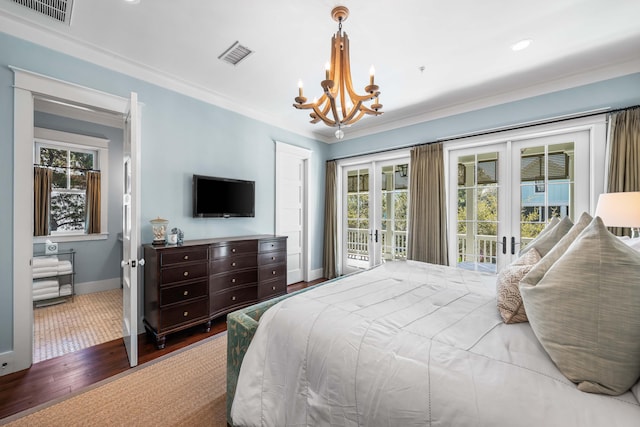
<point>522,44</point>
<point>132,1</point>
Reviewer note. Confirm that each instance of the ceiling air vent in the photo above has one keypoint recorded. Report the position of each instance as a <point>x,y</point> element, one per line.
<point>60,10</point>
<point>235,53</point>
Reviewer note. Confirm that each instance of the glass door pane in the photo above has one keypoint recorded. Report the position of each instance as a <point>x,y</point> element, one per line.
<point>546,186</point>
<point>392,226</point>
<point>356,212</point>
<point>477,211</point>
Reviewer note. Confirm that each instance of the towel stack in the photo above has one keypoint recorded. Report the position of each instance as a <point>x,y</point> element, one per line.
<point>49,267</point>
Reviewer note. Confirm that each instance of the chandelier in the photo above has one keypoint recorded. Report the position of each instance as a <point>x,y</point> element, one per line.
<point>340,105</point>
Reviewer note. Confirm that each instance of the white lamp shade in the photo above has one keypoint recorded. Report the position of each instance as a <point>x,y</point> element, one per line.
<point>619,209</point>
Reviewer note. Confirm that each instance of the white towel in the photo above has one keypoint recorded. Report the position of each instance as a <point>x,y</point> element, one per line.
<point>65,290</point>
<point>45,291</point>
<point>43,284</point>
<point>46,296</point>
<point>65,267</point>
<point>44,273</point>
<point>45,261</point>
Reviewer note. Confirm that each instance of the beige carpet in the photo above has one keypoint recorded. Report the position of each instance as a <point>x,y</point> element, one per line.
<point>184,388</point>
<point>88,320</point>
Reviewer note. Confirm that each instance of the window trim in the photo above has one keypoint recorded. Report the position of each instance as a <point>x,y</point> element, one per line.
<point>74,140</point>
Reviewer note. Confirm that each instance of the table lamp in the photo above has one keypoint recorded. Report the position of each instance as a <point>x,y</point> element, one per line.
<point>620,210</point>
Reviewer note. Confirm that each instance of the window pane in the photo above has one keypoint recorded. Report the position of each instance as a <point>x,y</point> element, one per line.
<point>81,160</point>
<point>78,180</point>
<point>401,177</point>
<point>53,157</point>
<point>67,211</point>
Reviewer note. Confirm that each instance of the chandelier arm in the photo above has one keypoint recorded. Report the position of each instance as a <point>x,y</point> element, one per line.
<point>322,114</point>
<point>367,110</point>
<point>352,112</point>
<point>355,119</point>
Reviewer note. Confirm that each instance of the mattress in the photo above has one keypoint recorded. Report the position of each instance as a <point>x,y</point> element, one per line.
<point>408,343</point>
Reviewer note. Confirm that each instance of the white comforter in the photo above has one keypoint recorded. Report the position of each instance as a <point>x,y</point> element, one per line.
<point>408,344</point>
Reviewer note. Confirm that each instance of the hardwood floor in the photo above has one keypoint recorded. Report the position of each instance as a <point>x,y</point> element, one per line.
<point>57,377</point>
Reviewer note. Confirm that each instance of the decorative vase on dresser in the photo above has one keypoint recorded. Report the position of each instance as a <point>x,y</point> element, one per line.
<point>200,280</point>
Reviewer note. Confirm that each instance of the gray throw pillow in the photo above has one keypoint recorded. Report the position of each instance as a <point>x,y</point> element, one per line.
<point>554,221</point>
<point>536,272</point>
<point>585,312</point>
<point>545,242</point>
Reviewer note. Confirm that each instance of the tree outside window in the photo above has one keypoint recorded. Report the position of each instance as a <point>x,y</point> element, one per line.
<point>69,185</point>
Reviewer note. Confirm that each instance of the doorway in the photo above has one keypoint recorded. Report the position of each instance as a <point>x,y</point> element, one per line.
<point>503,192</point>
<point>374,213</point>
<point>27,85</point>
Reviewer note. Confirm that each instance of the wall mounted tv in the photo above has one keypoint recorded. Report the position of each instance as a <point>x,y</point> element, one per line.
<point>222,197</point>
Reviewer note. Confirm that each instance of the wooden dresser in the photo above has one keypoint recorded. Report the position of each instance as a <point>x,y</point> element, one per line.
<point>194,283</point>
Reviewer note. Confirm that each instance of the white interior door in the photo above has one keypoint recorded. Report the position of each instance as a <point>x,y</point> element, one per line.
<point>292,220</point>
<point>130,231</point>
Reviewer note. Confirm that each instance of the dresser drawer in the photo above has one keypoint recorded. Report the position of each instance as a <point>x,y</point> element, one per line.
<point>230,280</point>
<point>276,271</point>
<point>273,245</point>
<point>272,258</point>
<point>183,272</point>
<point>184,313</point>
<point>186,255</point>
<point>272,288</point>
<point>182,293</point>
<point>232,263</point>
<point>233,297</point>
<point>234,248</point>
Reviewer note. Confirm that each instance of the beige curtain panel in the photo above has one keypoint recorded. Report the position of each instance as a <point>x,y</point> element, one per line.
<point>330,221</point>
<point>93,201</point>
<point>624,159</point>
<point>427,240</point>
<point>42,177</point>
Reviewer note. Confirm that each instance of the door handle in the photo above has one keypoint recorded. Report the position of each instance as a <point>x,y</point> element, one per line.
<point>504,245</point>
<point>513,245</point>
<point>376,236</point>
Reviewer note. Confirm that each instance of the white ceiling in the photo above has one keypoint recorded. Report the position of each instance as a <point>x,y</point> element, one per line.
<point>463,45</point>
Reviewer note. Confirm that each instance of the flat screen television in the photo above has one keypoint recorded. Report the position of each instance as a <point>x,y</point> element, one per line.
<point>215,197</point>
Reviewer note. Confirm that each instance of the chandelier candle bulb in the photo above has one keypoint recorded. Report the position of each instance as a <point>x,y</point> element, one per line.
<point>327,68</point>
<point>371,73</point>
<point>300,88</point>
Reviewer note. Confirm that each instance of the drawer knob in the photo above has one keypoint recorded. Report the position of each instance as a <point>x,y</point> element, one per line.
<point>273,258</point>
<point>233,280</point>
<point>186,293</point>
<point>272,245</point>
<point>233,250</point>
<point>185,314</point>
<point>185,274</point>
<point>233,298</point>
<point>186,257</point>
<point>233,264</point>
<point>273,272</point>
<point>273,288</point>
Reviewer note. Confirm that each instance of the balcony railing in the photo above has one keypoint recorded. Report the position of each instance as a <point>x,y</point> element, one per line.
<point>394,244</point>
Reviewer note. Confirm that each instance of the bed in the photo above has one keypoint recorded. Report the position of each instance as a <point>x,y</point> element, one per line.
<point>410,343</point>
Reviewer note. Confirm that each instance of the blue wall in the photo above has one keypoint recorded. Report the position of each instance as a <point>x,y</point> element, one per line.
<point>180,136</point>
<point>615,93</point>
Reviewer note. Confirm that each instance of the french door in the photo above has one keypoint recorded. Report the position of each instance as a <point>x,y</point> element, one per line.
<point>503,194</point>
<point>374,213</point>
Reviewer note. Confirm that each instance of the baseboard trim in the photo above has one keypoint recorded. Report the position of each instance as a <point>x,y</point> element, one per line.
<point>315,274</point>
<point>97,286</point>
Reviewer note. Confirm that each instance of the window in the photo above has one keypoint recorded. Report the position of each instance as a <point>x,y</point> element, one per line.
<point>69,165</point>
<point>71,158</point>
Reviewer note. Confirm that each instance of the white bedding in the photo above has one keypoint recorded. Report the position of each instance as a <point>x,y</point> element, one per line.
<point>408,344</point>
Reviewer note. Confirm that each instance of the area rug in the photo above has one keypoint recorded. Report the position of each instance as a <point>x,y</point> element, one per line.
<point>85,321</point>
<point>183,388</point>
